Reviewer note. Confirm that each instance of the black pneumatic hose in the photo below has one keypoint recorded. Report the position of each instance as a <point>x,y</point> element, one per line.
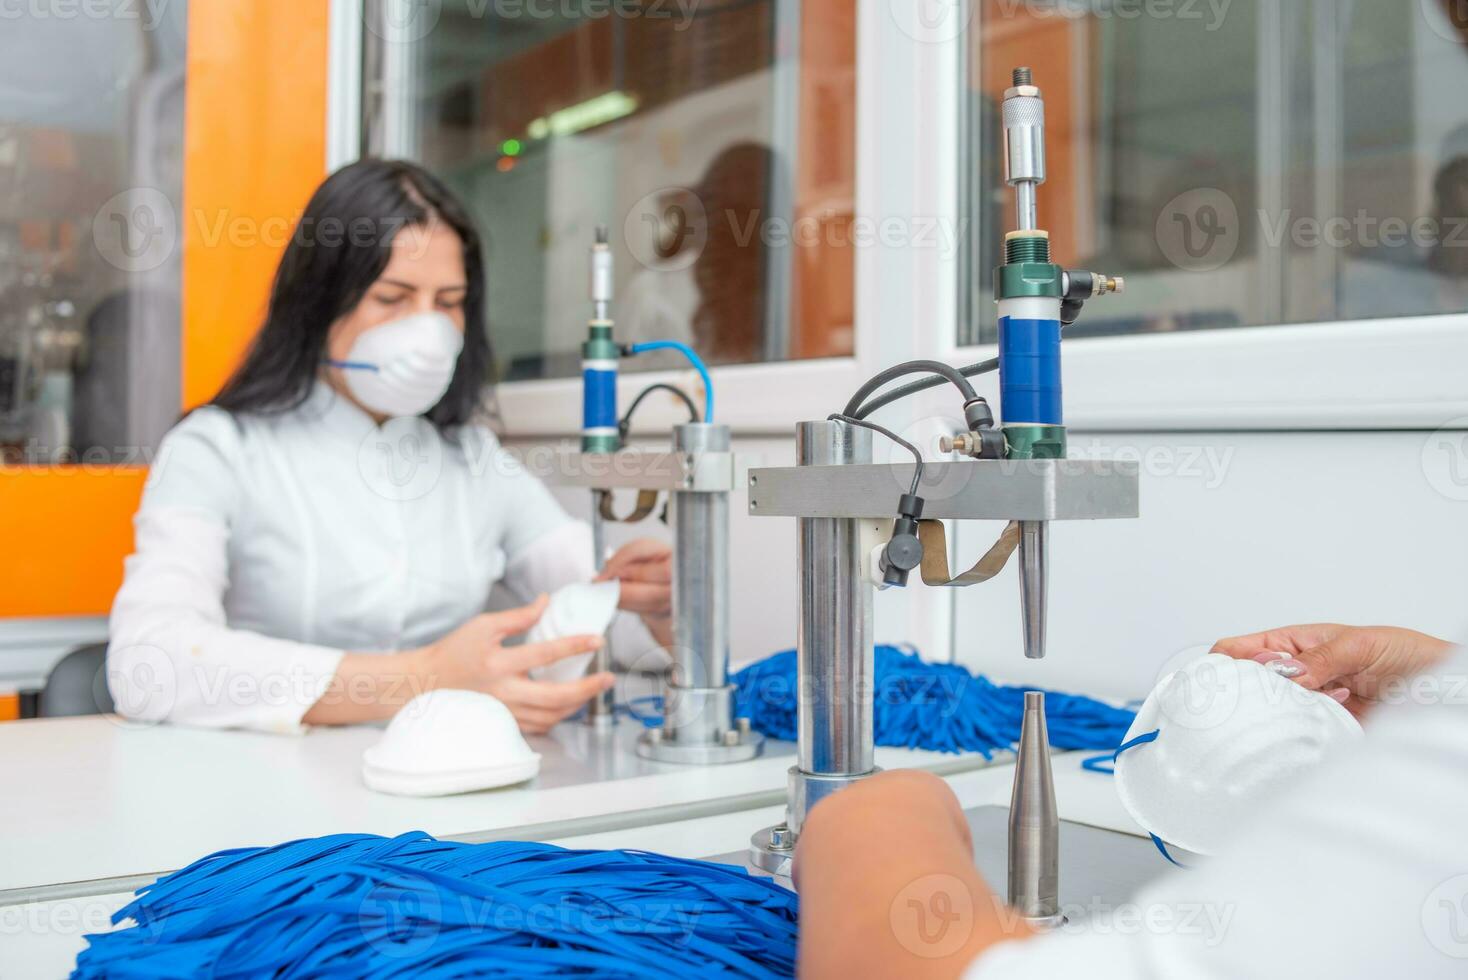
<point>917,473</point>
<point>897,394</point>
<point>625,425</point>
<point>945,371</point>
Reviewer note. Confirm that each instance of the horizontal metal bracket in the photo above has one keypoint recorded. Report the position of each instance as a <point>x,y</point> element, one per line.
<point>631,469</point>
<point>979,490</point>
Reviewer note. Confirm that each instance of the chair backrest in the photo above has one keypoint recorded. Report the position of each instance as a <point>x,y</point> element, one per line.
<point>77,685</point>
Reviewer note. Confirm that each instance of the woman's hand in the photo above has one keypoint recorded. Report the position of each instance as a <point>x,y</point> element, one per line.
<point>1353,664</point>
<point>474,658</point>
<point>645,569</point>
<point>915,908</point>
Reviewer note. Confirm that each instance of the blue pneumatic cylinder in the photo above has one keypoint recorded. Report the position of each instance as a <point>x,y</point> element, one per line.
<point>1029,364</point>
<point>598,402</point>
<point>599,358</point>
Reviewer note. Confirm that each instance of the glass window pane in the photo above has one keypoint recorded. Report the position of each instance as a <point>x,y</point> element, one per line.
<point>91,136</point>
<point>1242,164</point>
<point>715,140</point>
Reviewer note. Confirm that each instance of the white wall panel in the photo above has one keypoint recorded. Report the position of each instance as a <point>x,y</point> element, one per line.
<point>1240,532</point>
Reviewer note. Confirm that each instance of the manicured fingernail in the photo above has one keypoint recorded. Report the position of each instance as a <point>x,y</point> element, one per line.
<point>1341,694</point>
<point>1287,667</point>
<point>1270,657</point>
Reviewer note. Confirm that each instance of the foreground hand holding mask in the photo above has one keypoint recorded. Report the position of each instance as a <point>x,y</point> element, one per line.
<point>1214,741</point>
<point>403,367</point>
<point>446,742</point>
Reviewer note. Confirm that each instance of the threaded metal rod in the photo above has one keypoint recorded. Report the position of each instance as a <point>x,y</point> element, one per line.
<point>1027,248</point>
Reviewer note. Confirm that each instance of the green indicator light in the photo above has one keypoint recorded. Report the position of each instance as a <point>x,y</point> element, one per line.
<point>511,148</point>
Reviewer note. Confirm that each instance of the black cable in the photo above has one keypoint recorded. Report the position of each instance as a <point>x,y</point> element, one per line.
<point>917,473</point>
<point>947,372</point>
<point>625,425</point>
<point>896,394</point>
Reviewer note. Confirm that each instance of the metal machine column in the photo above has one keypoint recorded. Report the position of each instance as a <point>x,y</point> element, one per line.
<point>698,700</point>
<point>835,651</point>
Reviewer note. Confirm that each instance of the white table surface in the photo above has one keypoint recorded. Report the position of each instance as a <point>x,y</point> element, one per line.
<point>42,939</point>
<point>87,800</point>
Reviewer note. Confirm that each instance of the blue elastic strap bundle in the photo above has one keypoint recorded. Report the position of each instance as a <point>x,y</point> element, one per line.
<point>938,707</point>
<point>355,905</point>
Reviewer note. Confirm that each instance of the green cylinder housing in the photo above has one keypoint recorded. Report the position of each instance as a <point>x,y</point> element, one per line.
<point>1027,269</point>
<point>1034,441</point>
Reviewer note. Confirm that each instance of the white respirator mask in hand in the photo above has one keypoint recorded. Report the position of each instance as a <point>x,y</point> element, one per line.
<point>403,367</point>
<point>1215,741</point>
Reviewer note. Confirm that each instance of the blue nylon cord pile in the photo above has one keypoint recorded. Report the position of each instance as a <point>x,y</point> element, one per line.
<point>938,707</point>
<point>354,905</point>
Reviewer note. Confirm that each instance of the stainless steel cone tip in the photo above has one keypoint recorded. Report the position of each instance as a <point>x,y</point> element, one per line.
<point>1034,826</point>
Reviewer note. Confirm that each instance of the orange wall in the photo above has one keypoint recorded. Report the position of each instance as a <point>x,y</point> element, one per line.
<point>254,149</point>
<point>66,530</point>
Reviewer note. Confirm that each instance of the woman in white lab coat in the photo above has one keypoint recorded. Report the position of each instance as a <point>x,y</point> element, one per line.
<point>318,544</point>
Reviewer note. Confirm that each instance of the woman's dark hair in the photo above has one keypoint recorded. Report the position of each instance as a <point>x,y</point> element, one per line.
<point>340,247</point>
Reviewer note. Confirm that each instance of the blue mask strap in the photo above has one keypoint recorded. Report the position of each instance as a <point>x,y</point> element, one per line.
<point>1097,763</point>
<point>351,365</point>
<point>1162,847</point>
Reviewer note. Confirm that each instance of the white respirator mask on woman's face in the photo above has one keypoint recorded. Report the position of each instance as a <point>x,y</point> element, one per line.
<point>403,367</point>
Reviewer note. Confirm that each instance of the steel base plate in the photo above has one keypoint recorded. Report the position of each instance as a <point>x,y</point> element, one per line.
<point>652,746</point>
<point>1099,869</point>
<point>764,857</point>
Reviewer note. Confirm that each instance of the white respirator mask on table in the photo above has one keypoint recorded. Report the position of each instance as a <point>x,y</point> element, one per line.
<point>403,367</point>
<point>1216,740</point>
<point>448,741</point>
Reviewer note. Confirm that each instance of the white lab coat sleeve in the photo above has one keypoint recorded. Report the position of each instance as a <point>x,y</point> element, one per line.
<point>171,654</point>
<point>546,549</point>
<point>1360,871</point>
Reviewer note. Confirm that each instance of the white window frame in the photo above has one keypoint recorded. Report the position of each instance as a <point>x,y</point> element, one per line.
<point>897,176</point>
<point>1402,372</point>
<point>345,22</point>
<point>1394,373</point>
